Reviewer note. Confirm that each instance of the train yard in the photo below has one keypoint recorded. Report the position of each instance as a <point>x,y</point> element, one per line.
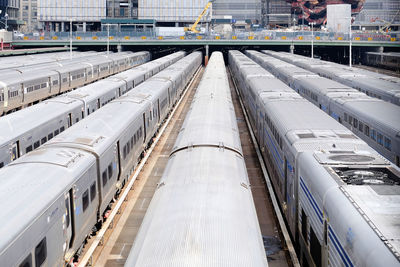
<point>260,158</point>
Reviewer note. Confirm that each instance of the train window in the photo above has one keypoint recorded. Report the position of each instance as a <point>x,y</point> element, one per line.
<point>350,120</point>
<point>55,82</point>
<point>64,80</point>
<point>43,85</point>
<point>315,248</point>
<point>77,120</point>
<point>37,87</point>
<point>380,139</point>
<point>366,130</point>
<point>85,200</point>
<point>373,134</point>
<point>304,225</point>
<point>110,171</point>
<point>128,147</point>
<point>92,191</point>
<point>44,140</point>
<point>104,176</point>
<point>62,129</point>
<point>360,126</point>
<point>27,261</point>
<point>56,132</point>
<point>28,149</point>
<point>67,211</point>
<point>388,144</point>
<point>355,123</point>
<point>36,144</point>
<point>50,136</point>
<point>41,252</point>
<point>132,142</point>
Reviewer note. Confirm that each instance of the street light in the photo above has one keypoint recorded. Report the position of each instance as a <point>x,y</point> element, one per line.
<point>350,42</point>
<point>108,39</point>
<point>312,39</point>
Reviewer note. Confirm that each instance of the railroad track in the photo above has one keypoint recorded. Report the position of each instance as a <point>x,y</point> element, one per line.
<point>378,70</point>
<point>111,245</point>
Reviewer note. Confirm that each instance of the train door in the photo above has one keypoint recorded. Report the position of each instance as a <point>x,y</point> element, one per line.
<point>69,219</point>
<point>118,154</point>
<point>158,111</point>
<point>22,93</point>
<point>144,129</point>
<point>49,85</point>
<point>14,150</point>
<point>169,98</point>
<point>397,161</point>
<point>286,182</point>
<point>69,120</point>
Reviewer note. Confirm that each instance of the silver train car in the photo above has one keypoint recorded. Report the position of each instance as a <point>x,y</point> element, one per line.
<point>375,121</point>
<point>57,193</point>
<point>25,86</point>
<point>376,85</point>
<point>36,59</point>
<point>202,213</point>
<point>29,128</point>
<point>340,198</point>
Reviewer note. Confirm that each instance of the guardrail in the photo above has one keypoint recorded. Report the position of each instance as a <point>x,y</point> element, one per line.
<point>271,35</point>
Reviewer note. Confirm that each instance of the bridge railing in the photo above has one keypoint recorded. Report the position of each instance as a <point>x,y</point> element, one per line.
<point>297,36</point>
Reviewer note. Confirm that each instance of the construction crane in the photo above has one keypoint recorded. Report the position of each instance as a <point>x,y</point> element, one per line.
<point>193,27</point>
<point>385,27</point>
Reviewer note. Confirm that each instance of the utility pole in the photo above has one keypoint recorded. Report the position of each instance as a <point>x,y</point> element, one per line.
<point>312,39</point>
<point>350,43</point>
<point>70,38</point>
<point>108,39</point>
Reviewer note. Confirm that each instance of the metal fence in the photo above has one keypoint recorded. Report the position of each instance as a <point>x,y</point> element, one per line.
<point>239,35</point>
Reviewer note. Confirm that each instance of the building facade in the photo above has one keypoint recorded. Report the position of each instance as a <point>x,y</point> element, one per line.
<point>379,13</point>
<point>9,14</point>
<point>28,14</point>
<point>171,11</point>
<point>122,9</point>
<point>56,15</point>
<point>240,10</point>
